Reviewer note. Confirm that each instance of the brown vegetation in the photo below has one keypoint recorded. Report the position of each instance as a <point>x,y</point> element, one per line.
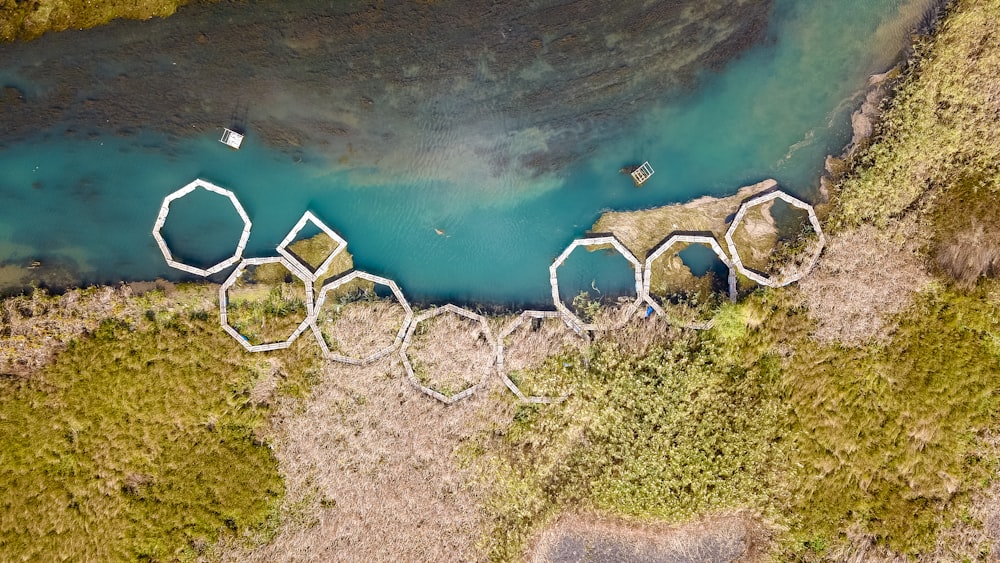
<point>358,329</point>
<point>722,538</point>
<point>450,353</point>
<point>374,471</point>
<point>866,277</point>
<point>34,327</point>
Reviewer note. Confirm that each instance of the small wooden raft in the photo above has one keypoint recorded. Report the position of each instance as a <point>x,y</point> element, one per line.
<point>231,138</point>
<point>642,173</point>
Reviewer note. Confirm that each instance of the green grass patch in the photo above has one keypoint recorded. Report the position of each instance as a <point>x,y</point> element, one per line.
<point>138,442</point>
<point>889,438</point>
<point>665,436</point>
<point>28,19</point>
<point>820,440</point>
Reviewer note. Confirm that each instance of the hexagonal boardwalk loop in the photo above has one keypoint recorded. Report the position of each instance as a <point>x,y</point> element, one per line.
<point>632,309</point>
<point>162,218</point>
<point>308,271</point>
<point>484,330</point>
<point>318,318</point>
<point>673,240</point>
<point>502,354</point>
<point>224,304</point>
<point>760,200</point>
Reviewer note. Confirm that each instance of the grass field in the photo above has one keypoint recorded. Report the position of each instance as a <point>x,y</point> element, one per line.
<point>140,441</point>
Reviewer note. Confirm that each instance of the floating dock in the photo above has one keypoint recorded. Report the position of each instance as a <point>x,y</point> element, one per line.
<point>642,173</point>
<point>231,138</point>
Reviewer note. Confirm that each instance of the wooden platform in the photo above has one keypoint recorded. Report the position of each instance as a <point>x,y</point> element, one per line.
<point>231,138</point>
<point>642,173</point>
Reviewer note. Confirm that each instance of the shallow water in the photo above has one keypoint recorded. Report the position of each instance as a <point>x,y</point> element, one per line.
<point>85,202</point>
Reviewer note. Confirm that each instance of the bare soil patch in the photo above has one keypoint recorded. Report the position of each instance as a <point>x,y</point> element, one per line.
<point>576,538</point>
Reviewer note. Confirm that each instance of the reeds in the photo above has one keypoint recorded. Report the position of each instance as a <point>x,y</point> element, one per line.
<point>450,353</point>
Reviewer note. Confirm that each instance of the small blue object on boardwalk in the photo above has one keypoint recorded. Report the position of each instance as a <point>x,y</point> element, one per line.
<point>642,173</point>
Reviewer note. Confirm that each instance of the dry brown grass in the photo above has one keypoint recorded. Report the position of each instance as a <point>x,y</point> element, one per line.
<point>530,345</point>
<point>450,353</point>
<point>728,537</point>
<point>612,315</point>
<point>373,471</point>
<point>865,277</point>
<point>361,328</point>
<point>36,326</point>
<point>33,328</point>
<point>640,335</point>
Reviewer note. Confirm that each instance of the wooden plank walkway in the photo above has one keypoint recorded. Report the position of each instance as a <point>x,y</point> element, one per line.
<point>161,218</point>
<point>407,340</point>
<point>224,305</point>
<point>631,310</point>
<point>760,200</point>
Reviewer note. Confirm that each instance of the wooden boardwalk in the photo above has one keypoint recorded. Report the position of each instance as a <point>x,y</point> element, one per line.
<point>378,354</point>
<point>408,339</point>
<point>404,336</point>
<point>631,310</point>
<point>305,269</point>
<point>762,199</point>
<point>706,240</point>
<point>161,218</point>
<point>224,305</point>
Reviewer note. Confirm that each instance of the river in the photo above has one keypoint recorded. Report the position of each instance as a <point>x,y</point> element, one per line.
<point>458,154</point>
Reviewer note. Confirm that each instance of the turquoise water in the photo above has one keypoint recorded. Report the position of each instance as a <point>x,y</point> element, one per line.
<point>89,202</point>
<point>701,259</point>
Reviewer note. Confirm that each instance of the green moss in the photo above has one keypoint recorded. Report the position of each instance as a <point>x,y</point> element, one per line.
<point>138,442</point>
<point>28,19</point>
